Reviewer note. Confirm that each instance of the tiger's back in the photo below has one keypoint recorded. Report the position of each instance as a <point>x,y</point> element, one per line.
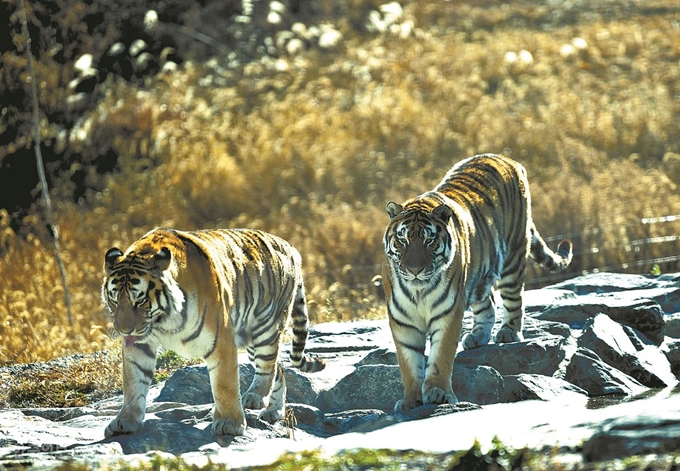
<point>446,250</point>
<point>206,293</point>
<point>495,206</point>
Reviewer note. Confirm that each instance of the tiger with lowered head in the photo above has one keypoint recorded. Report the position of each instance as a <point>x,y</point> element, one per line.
<point>446,251</point>
<point>205,294</point>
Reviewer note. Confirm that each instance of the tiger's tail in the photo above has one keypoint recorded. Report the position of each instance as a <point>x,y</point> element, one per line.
<point>553,261</point>
<point>299,321</point>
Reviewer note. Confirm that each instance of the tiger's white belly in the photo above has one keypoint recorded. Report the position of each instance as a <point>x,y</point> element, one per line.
<point>190,337</point>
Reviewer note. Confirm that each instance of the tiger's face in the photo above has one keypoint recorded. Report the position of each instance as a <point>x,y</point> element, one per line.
<point>418,242</point>
<point>139,292</point>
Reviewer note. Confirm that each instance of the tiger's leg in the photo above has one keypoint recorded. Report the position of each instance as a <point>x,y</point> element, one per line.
<point>511,288</point>
<point>228,418</point>
<point>139,362</point>
<point>275,409</point>
<point>484,317</point>
<point>410,345</point>
<point>264,353</point>
<point>444,335</point>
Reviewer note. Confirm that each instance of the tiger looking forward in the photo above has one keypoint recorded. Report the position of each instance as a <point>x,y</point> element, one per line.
<point>205,294</point>
<point>446,250</point>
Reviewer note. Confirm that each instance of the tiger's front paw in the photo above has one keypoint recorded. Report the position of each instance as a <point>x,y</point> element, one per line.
<point>439,396</point>
<point>474,340</point>
<point>121,425</point>
<point>406,404</point>
<point>252,400</point>
<point>505,335</point>
<point>228,427</point>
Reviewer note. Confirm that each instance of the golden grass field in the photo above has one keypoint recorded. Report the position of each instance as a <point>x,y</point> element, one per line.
<point>312,147</point>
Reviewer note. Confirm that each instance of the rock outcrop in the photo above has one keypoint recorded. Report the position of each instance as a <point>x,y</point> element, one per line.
<point>593,341</point>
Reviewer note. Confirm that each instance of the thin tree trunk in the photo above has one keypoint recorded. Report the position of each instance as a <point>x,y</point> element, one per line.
<point>54,232</point>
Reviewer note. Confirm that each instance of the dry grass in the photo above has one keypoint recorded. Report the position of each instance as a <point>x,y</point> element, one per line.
<point>67,382</point>
<point>311,147</point>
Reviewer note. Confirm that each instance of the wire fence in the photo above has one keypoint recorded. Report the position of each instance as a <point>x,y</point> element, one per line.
<point>619,248</point>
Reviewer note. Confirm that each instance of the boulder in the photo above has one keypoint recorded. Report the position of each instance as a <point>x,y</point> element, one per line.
<point>545,388</point>
<point>538,299</point>
<point>331,337</point>
<point>299,387</point>
<point>535,328</point>
<point>672,351</point>
<point>477,384</point>
<point>642,314</point>
<point>354,420</point>
<point>380,356</point>
<point>368,387</point>
<point>664,289</point>
<point>474,384</point>
<point>536,356</point>
<point>311,419</point>
<point>608,339</point>
<point>673,325</point>
<point>190,385</point>
<point>643,434</point>
<point>597,283</point>
<point>587,371</point>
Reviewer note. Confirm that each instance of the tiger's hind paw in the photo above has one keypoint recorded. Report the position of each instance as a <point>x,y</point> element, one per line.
<point>121,425</point>
<point>439,396</point>
<point>405,404</point>
<point>271,415</point>
<point>228,427</point>
<point>505,335</point>
<point>471,340</point>
<point>252,400</point>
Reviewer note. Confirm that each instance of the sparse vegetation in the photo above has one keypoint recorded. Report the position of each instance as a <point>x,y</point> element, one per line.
<point>168,362</point>
<point>310,146</point>
<point>65,382</point>
<point>498,457</point>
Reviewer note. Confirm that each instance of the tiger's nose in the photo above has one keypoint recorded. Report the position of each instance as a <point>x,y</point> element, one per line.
<point>415,270</point>
<point>123,328</point>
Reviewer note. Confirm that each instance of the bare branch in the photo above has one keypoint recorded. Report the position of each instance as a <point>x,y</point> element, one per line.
<point>39,163</point>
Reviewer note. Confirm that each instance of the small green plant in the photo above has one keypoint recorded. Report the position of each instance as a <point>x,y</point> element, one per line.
<point>499,457</point>
<point>167,362</point>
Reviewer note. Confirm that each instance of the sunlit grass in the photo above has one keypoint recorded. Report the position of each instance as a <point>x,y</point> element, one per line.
<point>311,148</point>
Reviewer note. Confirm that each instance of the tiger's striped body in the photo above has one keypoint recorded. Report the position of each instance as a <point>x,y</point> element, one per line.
<point>205,294</point>
<point>446,250</point>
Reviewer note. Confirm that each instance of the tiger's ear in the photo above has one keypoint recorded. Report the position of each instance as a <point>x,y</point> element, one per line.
<point>162,259</point>
<point>443,212</point>
<point>110,259</point>
<point>393,209</point>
